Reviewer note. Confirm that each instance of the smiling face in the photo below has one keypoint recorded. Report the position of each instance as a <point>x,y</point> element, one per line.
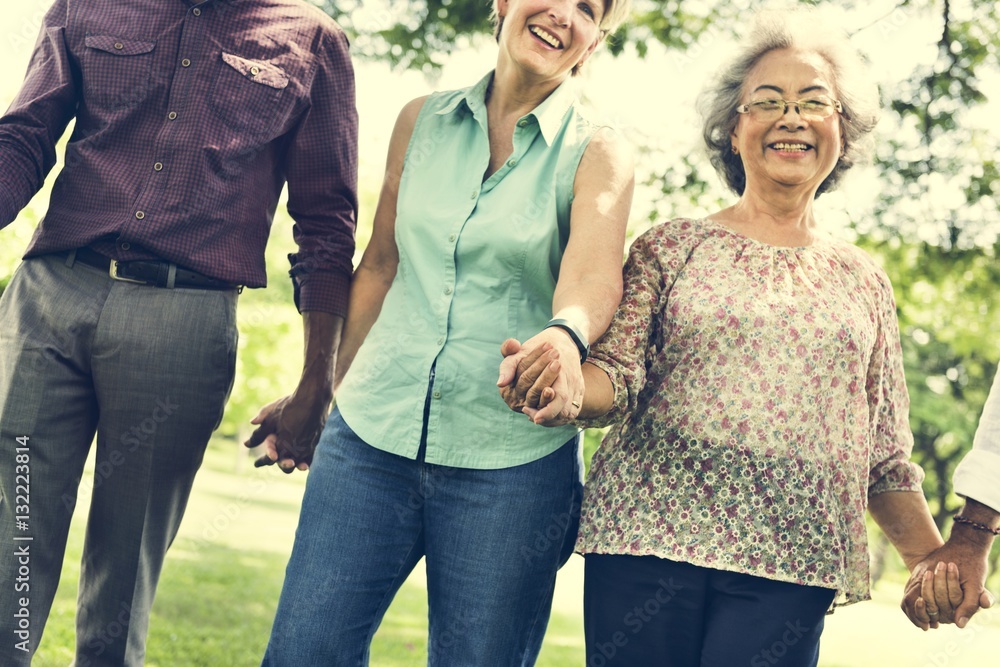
<point>793,150</point>
<point>550,38</point>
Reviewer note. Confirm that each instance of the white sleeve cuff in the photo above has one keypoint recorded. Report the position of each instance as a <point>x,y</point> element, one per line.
<point>978,477</point>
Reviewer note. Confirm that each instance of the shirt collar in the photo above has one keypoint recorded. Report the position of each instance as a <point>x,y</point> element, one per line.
<point>549,114</point>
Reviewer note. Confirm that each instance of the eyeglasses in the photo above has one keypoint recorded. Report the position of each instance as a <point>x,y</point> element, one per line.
<point>814,108</point>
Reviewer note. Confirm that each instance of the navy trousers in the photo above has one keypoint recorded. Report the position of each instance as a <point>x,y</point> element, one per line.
<point>653,612</point>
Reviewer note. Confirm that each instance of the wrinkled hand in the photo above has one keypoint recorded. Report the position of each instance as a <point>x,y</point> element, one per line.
<point>289,429</point>
<point>535,374</point>
<point>542,377</point>
<point>948,586</point>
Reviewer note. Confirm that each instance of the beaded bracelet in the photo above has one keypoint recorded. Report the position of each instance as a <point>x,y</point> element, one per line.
<point>958,518</point>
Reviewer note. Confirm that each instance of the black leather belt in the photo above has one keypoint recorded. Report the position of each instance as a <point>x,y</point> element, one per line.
<point>149,272</point>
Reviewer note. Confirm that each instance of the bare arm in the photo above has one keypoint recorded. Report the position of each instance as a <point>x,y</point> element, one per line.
<point>289,428</point>
<point>590,283</point>
<point>377,269</point>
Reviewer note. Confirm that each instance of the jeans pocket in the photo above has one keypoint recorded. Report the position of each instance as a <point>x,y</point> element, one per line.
<point>116,71</point>
<point>249,96</point>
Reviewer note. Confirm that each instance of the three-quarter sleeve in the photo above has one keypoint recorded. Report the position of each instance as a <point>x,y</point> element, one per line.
<point>889,403</point>
<point>626,349</point>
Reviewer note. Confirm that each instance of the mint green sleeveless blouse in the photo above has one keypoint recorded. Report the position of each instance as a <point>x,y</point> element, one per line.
<point>478,263</point>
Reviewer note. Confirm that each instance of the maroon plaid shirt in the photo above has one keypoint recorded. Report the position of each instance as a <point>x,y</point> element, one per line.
<point>189,120</point>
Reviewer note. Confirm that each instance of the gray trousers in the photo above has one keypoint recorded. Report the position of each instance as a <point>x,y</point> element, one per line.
<point>149,370</point>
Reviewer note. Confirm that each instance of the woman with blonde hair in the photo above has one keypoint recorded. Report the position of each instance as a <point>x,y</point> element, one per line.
<point>502,214</point>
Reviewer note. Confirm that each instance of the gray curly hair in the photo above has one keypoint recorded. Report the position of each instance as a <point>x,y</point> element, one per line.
<point>780,30</point>
<point>615,12</point>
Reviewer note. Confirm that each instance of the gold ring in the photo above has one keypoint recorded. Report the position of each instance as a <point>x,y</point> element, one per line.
<point>575,404</point>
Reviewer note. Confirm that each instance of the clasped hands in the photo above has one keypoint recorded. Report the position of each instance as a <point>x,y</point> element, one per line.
<point>542,377</point>
<point>940,591</point>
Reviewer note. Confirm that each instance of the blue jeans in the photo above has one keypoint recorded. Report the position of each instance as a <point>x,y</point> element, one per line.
<point>493,540</point>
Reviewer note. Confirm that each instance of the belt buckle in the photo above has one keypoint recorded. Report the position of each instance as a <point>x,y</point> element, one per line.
<point>113,272</point>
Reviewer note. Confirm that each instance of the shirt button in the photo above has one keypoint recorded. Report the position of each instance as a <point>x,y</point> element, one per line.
<point>186,62</point>
<point>451,238</point>
<point>254,71</point>
<point>475,193</point>
<point>447,290</point>
<point>196,11</point>
<point>125,246</point>
<point>158,166</point>
<point>172,115</point>
<point>437,394</point>
<point>441,340</point>
<point>139,215</point>
<point>511,163</point>
<point>523,122</point>
<point>119,46</point>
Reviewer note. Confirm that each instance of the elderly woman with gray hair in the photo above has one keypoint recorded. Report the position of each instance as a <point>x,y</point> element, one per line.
<point>755,379</point>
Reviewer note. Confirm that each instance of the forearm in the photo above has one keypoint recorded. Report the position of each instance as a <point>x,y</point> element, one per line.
<point>599,395</point>
<point>975,538</point>
<point>589,303</point>
<point>906,520</point>
<point>322,334</point>
<point>368,290</point>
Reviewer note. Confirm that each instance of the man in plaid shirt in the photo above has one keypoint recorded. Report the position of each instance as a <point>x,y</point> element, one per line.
<point>120,321</point>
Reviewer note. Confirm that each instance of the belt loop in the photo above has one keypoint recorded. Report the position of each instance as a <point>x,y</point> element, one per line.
<point>71,258</point>
<point>171,275</point>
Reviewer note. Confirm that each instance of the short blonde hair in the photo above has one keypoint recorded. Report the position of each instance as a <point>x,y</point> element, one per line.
<point>615,13</point>
<point>806,30</point>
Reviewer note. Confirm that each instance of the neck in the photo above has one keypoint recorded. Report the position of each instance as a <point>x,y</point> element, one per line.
<point>515,93</point>
<point>784,217</point>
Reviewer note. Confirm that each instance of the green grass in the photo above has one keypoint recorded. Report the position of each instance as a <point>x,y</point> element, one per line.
<point>221,583</point>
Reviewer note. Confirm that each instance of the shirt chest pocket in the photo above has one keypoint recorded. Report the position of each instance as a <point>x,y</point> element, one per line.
<point>116,71</point>
<point>250,95</point>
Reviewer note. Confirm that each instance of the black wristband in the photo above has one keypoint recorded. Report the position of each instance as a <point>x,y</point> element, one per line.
<point>581,343</point>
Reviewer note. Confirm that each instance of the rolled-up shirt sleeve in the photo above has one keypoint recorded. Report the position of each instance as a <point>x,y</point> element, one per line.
<point>322,171</point>
<point>978,475</point>
<point>38,116</point>
<point>889,404</point>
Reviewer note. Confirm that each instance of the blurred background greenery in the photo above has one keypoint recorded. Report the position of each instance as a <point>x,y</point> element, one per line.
<point>927,208</point>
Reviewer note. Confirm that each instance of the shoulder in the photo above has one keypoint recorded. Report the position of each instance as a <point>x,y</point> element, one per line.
<point>408,115</point>
<point>678,232</point>
<point>312,29</point>
<point>610,152</point>
<point>858,262</point>
<point>864,270</point>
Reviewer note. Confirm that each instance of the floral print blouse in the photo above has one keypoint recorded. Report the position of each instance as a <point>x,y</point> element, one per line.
<point>759,403</point>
